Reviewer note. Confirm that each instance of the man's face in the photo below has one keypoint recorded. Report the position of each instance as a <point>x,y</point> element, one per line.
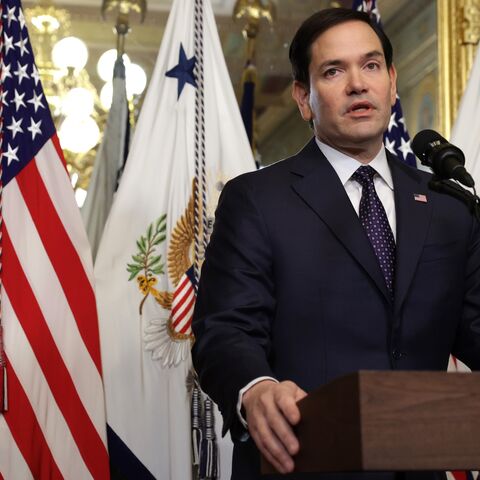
<point>351,90</point>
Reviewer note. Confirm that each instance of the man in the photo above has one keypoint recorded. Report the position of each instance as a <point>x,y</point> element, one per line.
<point>337,259</point>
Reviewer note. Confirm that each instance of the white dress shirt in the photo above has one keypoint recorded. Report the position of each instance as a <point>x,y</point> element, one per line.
<point>345,167</point>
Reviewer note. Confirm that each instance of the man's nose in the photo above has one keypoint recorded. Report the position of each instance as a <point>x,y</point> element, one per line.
<point>356,82</point>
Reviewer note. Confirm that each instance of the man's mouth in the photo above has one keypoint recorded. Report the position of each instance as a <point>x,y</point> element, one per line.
<point>360,107</point>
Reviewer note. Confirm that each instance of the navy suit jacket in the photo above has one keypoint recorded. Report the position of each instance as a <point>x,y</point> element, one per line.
<point>291,287</point>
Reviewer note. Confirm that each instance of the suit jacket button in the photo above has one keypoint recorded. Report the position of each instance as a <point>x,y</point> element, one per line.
<point>397,354</point>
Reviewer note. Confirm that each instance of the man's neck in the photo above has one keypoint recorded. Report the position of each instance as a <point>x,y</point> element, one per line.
<point>363,154</point>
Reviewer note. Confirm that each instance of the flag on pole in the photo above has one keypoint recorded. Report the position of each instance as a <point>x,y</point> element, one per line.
<point>188,142</point>
<point>109,161</point>
<point>54,423</point>
<point>466,129</point>
<point>396,138</point>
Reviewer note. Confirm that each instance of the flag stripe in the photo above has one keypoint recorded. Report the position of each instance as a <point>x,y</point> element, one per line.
<point>12,463</point>
<point>33,323</point>
<point>54,427</point>
<point>181,304</point>
<point>45,286</point>
<point>25,428</point>
<point>185,313</point>
<point>180,301</point>
<point>183,284</point>
<point>185,323</point>
<point>57,243</point>
<point>58,148</point>
<point>459,475</point>
<point>52,170</point>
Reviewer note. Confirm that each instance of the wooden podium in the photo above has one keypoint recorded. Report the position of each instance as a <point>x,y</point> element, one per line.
<point>390,421</point>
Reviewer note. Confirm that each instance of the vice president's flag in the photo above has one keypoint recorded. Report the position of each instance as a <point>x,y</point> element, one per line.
<point>188,142</point>
<point>55,423</point>
<point>466,130</point>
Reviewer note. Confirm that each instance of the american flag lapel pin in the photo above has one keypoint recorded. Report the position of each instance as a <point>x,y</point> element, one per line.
<point>419,197</point>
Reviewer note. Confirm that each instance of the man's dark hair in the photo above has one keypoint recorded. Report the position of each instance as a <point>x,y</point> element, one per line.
<point>300,49</point>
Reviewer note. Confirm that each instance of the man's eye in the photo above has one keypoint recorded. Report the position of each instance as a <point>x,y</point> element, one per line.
<point>372,66</point>
<point>331,72</point>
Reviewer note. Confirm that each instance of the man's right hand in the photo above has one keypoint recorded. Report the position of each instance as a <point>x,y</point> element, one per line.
<point>271,410</point>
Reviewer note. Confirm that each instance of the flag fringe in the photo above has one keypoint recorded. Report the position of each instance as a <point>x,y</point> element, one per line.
<point>209,452</point>
<point>196,425</point>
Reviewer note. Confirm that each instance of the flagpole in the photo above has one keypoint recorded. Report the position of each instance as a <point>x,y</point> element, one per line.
<point>122,29</point>
<point>253,11</point>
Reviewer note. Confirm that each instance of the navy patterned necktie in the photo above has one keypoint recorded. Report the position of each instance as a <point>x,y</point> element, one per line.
<point>375,222</point>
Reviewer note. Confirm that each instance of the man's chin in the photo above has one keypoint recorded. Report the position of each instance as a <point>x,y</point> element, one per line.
<point>364,134</point>
<point>359,136</point>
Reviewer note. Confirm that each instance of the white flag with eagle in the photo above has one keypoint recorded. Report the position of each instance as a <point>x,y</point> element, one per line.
<point>188,142</point>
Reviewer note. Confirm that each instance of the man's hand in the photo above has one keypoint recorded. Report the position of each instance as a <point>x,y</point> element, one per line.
<point>271,410</point>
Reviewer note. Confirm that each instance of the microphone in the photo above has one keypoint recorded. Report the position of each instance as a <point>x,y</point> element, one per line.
<point>446,160</point>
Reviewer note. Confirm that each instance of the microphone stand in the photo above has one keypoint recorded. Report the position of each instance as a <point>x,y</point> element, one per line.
<point>455,190</point>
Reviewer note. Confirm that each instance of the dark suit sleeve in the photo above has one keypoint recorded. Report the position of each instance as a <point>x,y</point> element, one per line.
<point>235,302</point>
<point>467,342</point>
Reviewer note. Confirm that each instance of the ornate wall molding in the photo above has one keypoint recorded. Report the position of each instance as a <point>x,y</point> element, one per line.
<point>458,37</point>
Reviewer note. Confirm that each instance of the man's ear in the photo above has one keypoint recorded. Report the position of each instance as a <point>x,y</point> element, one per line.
<point>301,95</point>
<point>393,84</point>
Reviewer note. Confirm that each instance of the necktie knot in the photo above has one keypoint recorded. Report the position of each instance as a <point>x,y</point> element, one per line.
<point>364,175</point>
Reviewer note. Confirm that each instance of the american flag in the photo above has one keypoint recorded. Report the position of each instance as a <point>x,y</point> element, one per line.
<point>396,138</point>
<point>55,423</point>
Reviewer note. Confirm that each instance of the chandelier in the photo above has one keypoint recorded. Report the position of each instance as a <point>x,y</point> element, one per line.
<point>79,112</point>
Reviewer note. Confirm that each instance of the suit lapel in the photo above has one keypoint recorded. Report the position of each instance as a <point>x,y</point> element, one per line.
<point>321,189</point>
<point>413,219</point>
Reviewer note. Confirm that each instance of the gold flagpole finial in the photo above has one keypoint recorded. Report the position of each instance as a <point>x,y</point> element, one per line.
<point>253,11</point>
<point>123,8</point>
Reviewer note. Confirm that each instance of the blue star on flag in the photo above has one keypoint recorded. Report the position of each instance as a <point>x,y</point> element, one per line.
<point>183,71</point>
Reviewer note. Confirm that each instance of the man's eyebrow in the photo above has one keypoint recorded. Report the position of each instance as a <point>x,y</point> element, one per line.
<point>374,54</point>
<point>338,62</point>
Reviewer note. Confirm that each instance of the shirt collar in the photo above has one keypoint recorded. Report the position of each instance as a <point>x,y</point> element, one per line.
<point>345,166</point>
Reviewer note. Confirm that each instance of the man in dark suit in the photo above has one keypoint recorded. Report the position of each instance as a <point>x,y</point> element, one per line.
<point>337,259</point>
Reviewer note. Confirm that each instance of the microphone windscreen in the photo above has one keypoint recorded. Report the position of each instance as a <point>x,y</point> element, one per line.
<point>422,140</point>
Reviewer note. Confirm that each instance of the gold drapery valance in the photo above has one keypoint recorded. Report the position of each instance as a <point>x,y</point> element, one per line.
<point>458,37</point>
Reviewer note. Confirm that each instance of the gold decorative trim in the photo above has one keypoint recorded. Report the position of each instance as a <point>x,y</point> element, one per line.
<point>458,25</point>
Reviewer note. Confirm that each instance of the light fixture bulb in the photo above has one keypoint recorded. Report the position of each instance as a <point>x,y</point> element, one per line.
<point>80,196</point>
<point>136,80</point>
<point>74,179</point>
<point>78,102</point>
<point>107,61</point>
<point>70,52</point>
<point>79,134</point>
<point>45,23</point>
<point>106,94</point>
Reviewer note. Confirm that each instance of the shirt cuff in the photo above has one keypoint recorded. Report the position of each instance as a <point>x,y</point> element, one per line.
<point>242,391</point>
